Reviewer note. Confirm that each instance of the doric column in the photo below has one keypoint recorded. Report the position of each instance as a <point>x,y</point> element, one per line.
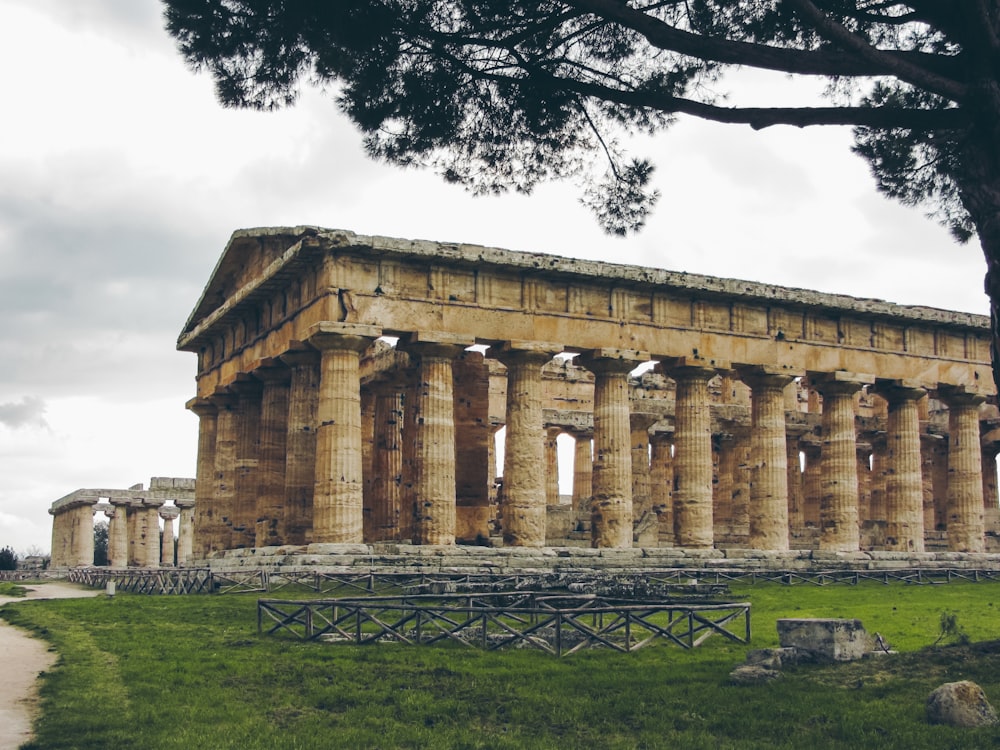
<point>151,511</point>
<point>991,509</point>
<point>839,504</point>
<point>185,530</point>
<point>723,487</point>
<point>611,508</point>
<point>645,527</point>
<point>793,468</point>
<point>583,472</point>
<point>367,460</point>
<point>80,515</point>
<point>768,455</point>
<point>244,514</point>
<point>269,527</point>
<point>338,495</point>
<point>812,481</point>
<point>118,533</point>
<point>220,526</point>
<point>387,462</point>
<point>928,454</point>
<point>434,434</point>
<point>693,451</point>
<point>661,484</point>
<point>522,510</point>
<point>300,444</point>
<point>552,465</point>
<point>965,481</point>
<point>904,496</point>
<point>168,513</point>
<point>205,520</point>
<point>137,522</point>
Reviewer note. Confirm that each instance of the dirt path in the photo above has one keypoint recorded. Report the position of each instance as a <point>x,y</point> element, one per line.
<point>23,658</point>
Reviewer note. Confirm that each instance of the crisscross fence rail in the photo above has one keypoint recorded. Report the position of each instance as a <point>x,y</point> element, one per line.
<point>171,581</point>
<point>557,624</point>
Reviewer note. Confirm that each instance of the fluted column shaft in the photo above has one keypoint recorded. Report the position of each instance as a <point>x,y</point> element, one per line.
<point>611,507</point>
<point>724,486</point>
<point>167,539</point>
<point>300,445</point>
<point>269,528</point>
<point>206,510</point>
<point>151,526</point>
<point>552,465</point>
<point>387,463</point>
<point>645,530</point>
<point>661,485</point>
<point>904,495</point>
<point>839,504</point>
<point>793,467</point>
<point>693,457</point>
<point>583,471</point>
<point>118,536</point>
<point>338,497</point>
<point>768,458</point>
<point>220,527</point>
<point>82,534</point>
<point>244,516</point>
<point>965,482</point>
<point>812,483</point>
<point>991,509</point>
<point>185,530</point>
<point>525,464</point>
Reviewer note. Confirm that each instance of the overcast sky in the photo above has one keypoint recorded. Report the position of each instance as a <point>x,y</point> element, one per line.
<point>121,180</point>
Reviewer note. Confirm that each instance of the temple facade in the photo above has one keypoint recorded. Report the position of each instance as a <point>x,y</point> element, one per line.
<point>134,516</point>
<point>351,389</point>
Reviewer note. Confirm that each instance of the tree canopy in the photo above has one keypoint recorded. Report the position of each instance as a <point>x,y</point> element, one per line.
<point>502,95</point>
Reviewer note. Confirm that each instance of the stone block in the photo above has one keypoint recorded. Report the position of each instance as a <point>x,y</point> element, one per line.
<point>825,639</point>
<point>960,704</point>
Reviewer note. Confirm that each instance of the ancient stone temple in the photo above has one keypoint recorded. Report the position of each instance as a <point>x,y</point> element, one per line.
<point>134,516</point>
<point>351,389</point>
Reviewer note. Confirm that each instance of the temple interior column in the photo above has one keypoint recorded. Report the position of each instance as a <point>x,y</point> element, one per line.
<point>812,481</point>
<point>367,460</point>
<point>645,526</point>
<point>338,498</point>
<point>904,492</point>
<point>434,488</point>
<point>205,485</point>
<point>839,504</point>
<point>244,513</point>
<point>965,481</point>
<point>769,456</point>
<point>387,462</point>
<point>118,534</point>
<point>136,520</point>
<point>871,478</point>
<point>661,485</point>
<point>168,514</point>
<point>928,448</point>
<point>473,433</point>
<point>151,530</point>
<point>525,491</point>
<point>991,509</point>
<point>725,464</point>
<point>611,507</point>
<point>793,468</point>
<point>693,452</point>
<point>300,444</point>
<point>552,465</point>
<point>269,526</point>
<point>583,470</point>
<point>185,530</point>
<point>219,527</point>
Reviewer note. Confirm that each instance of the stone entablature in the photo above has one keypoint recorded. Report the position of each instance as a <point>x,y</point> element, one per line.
<point>133,529</point>
<point>386,442</point>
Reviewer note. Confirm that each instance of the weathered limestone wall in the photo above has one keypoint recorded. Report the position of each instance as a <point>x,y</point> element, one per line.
<point>750,378</point>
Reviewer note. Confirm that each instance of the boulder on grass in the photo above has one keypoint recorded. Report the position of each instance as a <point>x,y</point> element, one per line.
<point>752,674</point>
<point>960,704</point>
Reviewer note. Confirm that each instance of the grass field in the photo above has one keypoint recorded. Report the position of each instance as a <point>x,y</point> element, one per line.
<point>192,672</point>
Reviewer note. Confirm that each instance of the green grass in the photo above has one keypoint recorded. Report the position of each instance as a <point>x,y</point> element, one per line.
<point>191,672</point>
<point>12,589</point>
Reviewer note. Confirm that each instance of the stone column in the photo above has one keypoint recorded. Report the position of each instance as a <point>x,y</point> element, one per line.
<point>220,527</point>
<point>80,515</point>
<point>151,511</point>
<point>723,487</point>
<point>661,485</point>
<point>839,504</point>
<point>693,452</point>
<point>269,526</point>
<point>367,460</point>
<point>991,508</point>
<point>768,455</point>
<point>965,481</point>
<point>928,453</point>
<point>812,481</point>
<point>525,465</point>
<point>300,444</point>
<point>136,519</point>
<point>793,467</point>
<point>244,514</point>
<point>338,495</point>
<point>168,514</point>
<point>434,434</point>
<point>185,530</point>
<point>645,527</point>
<point>611,507</point>
<point>205,520</point>
<point>387,463</point>
<point>583,470</point>
<point>552,465</point>
<point>118,533</point>
<point>904,496</point>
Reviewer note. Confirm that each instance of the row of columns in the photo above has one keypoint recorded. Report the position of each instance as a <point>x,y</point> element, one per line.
<point>268,472</point>
<point>134,537</point>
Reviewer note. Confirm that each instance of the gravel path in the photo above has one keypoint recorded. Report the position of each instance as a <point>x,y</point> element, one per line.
<point>23,658</point>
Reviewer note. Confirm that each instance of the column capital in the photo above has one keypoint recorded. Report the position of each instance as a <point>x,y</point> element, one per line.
<point>245,385</point>
<point>538,352</point>
<point>692,367</point>
<point>960,395</point>
<point>271,370</point>
<point>299,355</point>
<point>169,511</point>
<point>896,391</point>
<point>767,376</point>
<point>610,360</point>
<point>184,502</point>
<point>839,381</point>
<point>639,420</point>
<point>435,344</point>
<point>201,407</point>
<point>328,334</point>
<point>223,398</point>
